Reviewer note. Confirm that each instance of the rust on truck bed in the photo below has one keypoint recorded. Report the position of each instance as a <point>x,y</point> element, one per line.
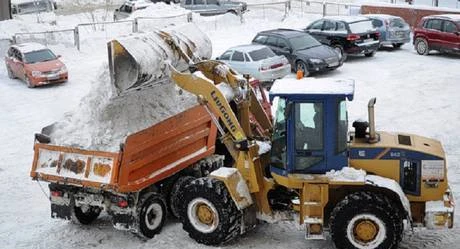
<point>147,157</point>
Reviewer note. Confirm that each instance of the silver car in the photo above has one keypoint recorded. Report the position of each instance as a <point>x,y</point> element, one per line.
<point>214,7</point>
<point>393,29</point>
<point>259,61</point>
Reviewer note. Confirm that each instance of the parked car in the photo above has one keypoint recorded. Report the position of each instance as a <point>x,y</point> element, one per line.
<point>128,7</point>
<point>302,50</point>
<point>214,7</point>
<point>35,64</point>
<point>258,61</point>
<point>41,11</point>
<point>438,32</point>
<point>393,29</point>
<point>347,34</point>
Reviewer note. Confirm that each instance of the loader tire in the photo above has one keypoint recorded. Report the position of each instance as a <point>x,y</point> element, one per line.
<point>176,194</point>
<point>85,216</point>
<point>365,220</point>
<point>209,214</point>
<point>152,214</point>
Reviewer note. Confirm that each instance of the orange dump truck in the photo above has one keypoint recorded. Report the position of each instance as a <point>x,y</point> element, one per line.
<point>135,185</point>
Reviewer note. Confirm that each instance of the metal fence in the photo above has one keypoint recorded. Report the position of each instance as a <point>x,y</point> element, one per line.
<point>270,9</point>
<point>325,8</point>
<point>86,33</point>
<point>4,45</point>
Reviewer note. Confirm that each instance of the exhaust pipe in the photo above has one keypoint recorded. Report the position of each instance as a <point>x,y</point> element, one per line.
<point>372,134</point>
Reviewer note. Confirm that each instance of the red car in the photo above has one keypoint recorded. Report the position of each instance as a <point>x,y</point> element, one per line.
<point>438,32</point>
<point>35,64</point>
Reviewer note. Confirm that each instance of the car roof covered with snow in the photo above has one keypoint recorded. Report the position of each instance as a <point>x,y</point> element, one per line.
<point>292,86</point>
<point>284,32</point>
<point>29,47</point>
<point>453,17</point>
<point>347,19</point>
<point>247,47</point>
<point>382,16</point>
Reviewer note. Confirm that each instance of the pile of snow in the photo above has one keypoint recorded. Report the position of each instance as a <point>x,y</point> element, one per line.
<point>346,174</point>
<point>103,120</point>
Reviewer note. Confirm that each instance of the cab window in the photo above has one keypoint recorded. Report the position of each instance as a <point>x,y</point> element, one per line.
<point>278,151</point>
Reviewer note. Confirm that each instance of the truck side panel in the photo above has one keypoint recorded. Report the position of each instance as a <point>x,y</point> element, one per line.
<point>166,148</point>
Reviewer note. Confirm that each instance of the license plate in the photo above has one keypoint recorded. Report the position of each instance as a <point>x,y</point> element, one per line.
<point>53,76</point>
<point>368,40</point>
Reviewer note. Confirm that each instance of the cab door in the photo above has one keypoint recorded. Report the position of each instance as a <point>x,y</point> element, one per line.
<point>307,142</point>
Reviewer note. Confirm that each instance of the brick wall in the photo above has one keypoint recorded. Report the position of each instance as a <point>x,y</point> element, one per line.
<point>410,15</point>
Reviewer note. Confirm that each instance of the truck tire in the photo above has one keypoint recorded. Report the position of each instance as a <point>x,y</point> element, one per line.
<point>176,195</point>
<point>365,220</point>
<point>209,214</point>
<point>152,214</point>
<point>85,215</point>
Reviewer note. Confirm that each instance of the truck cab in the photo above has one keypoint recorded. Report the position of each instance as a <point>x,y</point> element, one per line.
<point>315,117</point>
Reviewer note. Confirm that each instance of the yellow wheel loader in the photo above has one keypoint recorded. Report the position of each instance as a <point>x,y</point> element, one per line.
<point>361,186</point>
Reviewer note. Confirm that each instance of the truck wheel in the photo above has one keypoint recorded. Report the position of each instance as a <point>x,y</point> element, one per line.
<point>152,215</point>
<point>175,201</point>
<point>209,215</point>
<point>364,220</point>
<point>421,46</point>
<point>85,215</point>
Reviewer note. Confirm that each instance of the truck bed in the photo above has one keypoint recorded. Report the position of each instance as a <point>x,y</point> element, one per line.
<point>146,157</point>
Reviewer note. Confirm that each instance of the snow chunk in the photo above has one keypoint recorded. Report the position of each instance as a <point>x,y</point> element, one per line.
<point>313,86</point>
<point>347,174</point>
<point>224,172</point>
<point>264,146</point>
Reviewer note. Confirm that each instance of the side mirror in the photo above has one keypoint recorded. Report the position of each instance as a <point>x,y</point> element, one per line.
<point>457,33</point>
<point>58,56</point>
<point>217,58</point>
<point>116,10</point>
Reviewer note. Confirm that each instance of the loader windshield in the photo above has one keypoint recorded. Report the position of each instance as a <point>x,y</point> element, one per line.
<point>278,151</point>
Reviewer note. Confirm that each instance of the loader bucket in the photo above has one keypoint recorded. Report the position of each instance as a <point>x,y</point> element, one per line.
<point>140,60</point>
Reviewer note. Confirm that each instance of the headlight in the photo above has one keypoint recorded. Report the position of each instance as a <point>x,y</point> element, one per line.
<point>63,69</point>
<point>316,61</point>
<point>36,73</point>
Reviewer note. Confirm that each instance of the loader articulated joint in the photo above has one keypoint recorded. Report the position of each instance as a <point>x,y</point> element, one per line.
<point>242,145</point>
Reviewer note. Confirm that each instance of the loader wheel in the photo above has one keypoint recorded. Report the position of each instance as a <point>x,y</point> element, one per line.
<point>365,220</point>
<point>152,214</point>
<point>85,215</point>
<point>176,195</point>
<point>209,214</point>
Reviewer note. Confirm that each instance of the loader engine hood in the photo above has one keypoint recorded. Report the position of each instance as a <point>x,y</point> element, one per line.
<point>417,163</point>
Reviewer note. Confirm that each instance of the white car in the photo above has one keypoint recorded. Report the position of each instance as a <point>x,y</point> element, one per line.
<point>258,61</point>
<point>129,6</point>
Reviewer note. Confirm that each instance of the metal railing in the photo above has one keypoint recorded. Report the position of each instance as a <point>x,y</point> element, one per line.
<point>267,7</point>
<point>326,8</point>
<point>99,30</point>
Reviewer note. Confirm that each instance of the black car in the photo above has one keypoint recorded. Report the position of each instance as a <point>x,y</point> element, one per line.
<point>302,50</point>
<point>347,34</point>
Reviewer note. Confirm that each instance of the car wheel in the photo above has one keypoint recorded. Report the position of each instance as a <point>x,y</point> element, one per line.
<point>397,45</point>
<point>28,82</point>
<point>370,54</point>
<point>342,55</point>
<point>10,73</point>
<point>421,46</point>
<point>300,65</point>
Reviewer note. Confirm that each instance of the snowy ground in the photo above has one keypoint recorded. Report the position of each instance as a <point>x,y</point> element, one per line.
<point>417,94</point>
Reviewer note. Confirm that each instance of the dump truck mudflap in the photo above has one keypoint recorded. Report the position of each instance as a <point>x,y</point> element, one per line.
<point>140,60</point>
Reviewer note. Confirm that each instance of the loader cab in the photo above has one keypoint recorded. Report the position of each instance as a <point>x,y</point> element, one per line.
<point>310,125</point>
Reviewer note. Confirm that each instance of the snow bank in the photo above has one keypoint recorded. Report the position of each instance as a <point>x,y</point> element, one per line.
<point>103,120</point>
<point>160,10</point>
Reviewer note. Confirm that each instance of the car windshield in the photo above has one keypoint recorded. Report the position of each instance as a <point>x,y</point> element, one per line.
<point>34,7</point>
<point>261,54</point>
<point>39,56</point>
<point>398,23</point>
<point>361,26</point>
<point>303,42</point>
